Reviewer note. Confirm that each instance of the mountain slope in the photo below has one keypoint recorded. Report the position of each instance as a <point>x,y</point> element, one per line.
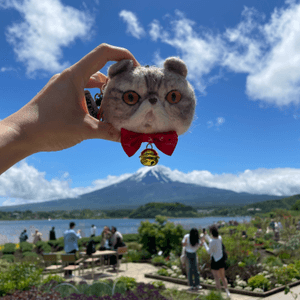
<point>154,184</point>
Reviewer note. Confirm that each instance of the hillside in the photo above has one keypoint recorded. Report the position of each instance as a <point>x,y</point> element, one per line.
<point>264,207</point>
<point>176,210</point>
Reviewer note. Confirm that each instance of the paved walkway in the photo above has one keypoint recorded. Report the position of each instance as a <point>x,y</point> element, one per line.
<point>137,271</point>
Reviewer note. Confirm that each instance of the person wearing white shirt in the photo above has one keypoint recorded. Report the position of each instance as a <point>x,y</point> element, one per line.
<point>191,242</point>
<point>93,230</point>
<point>216,253</point>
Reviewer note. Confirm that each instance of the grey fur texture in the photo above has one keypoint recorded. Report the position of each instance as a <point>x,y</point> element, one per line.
<point>152,112</point>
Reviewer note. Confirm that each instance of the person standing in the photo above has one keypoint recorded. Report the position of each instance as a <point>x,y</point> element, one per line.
<point>52,236</point>
<point>191,243</point>
<point>24,236</point>
<point>217,260</point>
<point>93,231</point>
<point>71,243</point>
<point>37,236</point>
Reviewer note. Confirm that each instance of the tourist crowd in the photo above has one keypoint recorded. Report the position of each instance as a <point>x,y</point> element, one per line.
<point>111,240</point>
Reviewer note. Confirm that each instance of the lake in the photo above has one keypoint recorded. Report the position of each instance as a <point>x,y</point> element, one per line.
<point>11,230</point>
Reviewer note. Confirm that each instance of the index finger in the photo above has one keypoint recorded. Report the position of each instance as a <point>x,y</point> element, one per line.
<point>97,58</point>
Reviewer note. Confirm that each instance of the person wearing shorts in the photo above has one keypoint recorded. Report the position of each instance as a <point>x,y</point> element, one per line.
<point>217,259</point>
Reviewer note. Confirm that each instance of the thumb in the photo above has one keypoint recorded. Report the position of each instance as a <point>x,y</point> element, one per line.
<point>97,80</point>
<point>95,129</point>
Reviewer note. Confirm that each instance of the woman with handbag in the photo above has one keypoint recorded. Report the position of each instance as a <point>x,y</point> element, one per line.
<point>191,243</point>
<point>218,264</point>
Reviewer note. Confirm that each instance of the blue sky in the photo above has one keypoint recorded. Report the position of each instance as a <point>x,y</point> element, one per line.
<point>244,64</point>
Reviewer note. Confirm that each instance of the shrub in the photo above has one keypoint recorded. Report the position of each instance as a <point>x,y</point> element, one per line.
<point>213,295</point>
<point>43,246</point>
<point>134,246</point>
<point>130,237</point>
<point>269,236</point>
<point>284,255</point>
<point>8,257</point>
<point>259,241</point>
<point>158,261</point>
<point>52,278</point>
<point>4,265</point>
<point>250,260</point>
<point>144,254</point>
<point>133,256</point>
<point>158,284</point>
<point>293,243</point>
<point>285,274</point>
<point>83,241</point>
<point>33,254</point>
<point>259,281</point>
<point>162,272</point>
<point>25,246</point>
<point>58,244</point>
<point>142,291</point>
<point>9,248</point>
<point>273,261</point>
<point>161,235</point>
<point>20,277</point>
<point>129,282</point>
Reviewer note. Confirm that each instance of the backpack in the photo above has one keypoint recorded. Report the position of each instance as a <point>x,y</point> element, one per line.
<point>225,256</point>
<point>90,247</point>
<point>23,237</point>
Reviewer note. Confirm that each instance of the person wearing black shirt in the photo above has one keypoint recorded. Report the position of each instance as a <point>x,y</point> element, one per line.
<point>52,235</point>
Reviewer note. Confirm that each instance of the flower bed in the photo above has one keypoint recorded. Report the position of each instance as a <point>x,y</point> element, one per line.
<point>261,280</point>
<point>232,290</point>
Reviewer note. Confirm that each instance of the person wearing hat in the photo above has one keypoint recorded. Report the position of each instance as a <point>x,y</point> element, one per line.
<point>52,236</point>
<point>93,230</point>
<point>37,236</point>
<point>71,243</point>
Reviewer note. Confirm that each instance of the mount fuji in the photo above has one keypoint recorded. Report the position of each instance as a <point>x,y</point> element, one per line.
<point>155,184</point>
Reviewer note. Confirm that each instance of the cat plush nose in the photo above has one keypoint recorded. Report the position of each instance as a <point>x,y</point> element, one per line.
<point>152,100</point>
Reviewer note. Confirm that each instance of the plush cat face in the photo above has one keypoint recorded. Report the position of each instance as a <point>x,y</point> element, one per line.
<point>149,99</point>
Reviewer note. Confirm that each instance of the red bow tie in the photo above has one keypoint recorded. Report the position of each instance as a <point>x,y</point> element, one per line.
<point>164,141</point>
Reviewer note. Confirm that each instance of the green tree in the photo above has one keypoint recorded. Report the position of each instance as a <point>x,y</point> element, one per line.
<point>296,206</point>
<point>161,235</point>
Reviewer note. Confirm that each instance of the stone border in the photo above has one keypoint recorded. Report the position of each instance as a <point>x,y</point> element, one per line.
<point>232,290</point>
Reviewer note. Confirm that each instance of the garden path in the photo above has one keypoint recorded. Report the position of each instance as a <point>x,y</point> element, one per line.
<point>137,271</point>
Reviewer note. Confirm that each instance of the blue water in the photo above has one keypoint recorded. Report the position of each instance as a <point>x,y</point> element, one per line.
<point>11,230</point>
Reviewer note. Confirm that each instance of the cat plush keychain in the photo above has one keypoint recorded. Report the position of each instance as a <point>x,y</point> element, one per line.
<point>147,104</point>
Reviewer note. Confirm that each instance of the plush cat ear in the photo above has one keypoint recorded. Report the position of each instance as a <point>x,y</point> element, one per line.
<point>176,65</point>
<point>119,67</point>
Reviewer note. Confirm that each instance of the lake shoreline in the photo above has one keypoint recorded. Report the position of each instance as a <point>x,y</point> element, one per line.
<point>11,230</point>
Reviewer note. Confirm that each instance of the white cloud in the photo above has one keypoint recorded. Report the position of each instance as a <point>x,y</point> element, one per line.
<point>46,28</point>
<point>133,26</point>
<point>23,184</point>
<point>4,69</point>
<point>279,181</point>
<point>219,122</point>
<point>266,50</point>
<point>210,124</point>
<point>201,53</point>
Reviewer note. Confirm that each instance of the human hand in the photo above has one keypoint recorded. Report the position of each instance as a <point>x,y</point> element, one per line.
<point>57,117</point>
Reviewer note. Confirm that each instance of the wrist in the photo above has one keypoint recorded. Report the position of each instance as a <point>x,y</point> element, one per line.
<point>13,145</point>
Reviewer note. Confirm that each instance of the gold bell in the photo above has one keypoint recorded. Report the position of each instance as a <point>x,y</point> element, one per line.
<point>149,157</point>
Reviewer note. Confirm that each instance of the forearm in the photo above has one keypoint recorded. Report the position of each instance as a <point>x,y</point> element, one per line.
<point>13,147</point>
